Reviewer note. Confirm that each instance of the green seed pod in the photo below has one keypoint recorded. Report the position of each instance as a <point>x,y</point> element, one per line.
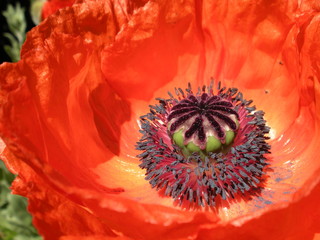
<point>229,137</point>
<point>178,139</point>
<point>213,144</point>
<point>193,147</point>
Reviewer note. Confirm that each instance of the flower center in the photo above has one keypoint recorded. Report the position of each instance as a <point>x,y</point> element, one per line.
<point>204,124</point>
<point>204,148</point>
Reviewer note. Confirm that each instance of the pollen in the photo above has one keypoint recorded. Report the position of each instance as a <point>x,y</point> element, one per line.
<point>204,149</point>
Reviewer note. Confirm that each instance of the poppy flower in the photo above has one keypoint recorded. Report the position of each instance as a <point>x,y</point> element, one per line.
<point>70,111</point>
<point>51,6</point>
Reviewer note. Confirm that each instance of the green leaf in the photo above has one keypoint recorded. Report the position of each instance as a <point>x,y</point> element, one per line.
<point>12,50</point>
<point>15,221</point>
<point>16,21</point>
<point>6,177</point>
<point>15,17</point>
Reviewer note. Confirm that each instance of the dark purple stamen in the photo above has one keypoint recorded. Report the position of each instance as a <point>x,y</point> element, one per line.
<point>179,112</point>
<point>224,109</point>
<point>204,96</point>
<point>182,120</point>
<point>194,127</point>
<point>213,99</point>
<point>215,109</point>
<point>201,133</point>
<point>226,119</point>
<point>179,106</point>
<point>215,125</point>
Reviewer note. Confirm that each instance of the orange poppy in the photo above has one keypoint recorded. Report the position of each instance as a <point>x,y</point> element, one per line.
<point>70,110</point>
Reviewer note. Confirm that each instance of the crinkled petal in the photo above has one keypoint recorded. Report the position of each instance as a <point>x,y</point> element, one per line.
<point>51,6</point>
<point>70,107</point>
<point>296,221</point>
<point>54,215</point>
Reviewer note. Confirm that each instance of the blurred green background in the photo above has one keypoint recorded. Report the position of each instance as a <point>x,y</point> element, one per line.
<point>16,18</point>
<point>15,221</point>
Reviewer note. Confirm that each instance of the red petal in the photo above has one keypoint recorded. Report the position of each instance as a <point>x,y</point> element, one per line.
<point>297,221</point>
<point>69,109</point>
<point>51,6</point>
<point>54,215</point>
<point>158,45</point>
